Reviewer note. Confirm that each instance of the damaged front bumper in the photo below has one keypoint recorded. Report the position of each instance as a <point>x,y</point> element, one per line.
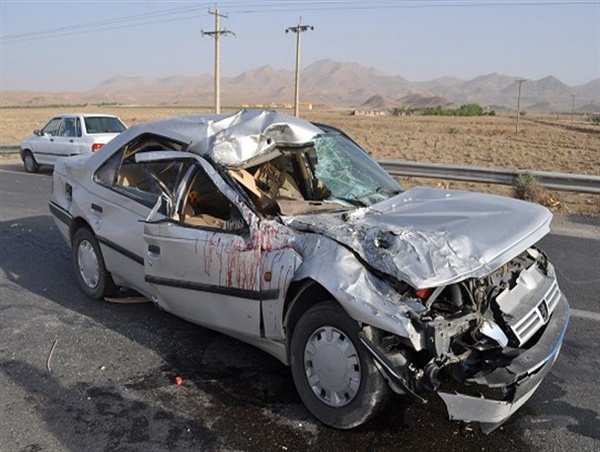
<point>515,383</point>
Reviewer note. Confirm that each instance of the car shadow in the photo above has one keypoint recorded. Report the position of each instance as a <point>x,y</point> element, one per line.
<point>17,166</point>
<point>586,220</point>
<point>90,417</point>
<point>245,395</point>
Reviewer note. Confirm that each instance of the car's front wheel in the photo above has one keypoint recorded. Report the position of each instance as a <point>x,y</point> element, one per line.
<point>29,162</point>
<point>93,278</point>
<point>336,378</point>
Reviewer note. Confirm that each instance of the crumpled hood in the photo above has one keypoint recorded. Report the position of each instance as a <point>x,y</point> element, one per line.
<point>431,237</point>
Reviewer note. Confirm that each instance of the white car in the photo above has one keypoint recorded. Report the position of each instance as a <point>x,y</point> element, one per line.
<point>67,135</point>
<point>287,235</point>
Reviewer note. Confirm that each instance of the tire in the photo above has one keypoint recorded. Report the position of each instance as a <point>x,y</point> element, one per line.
<point>90,270</point>
<point>31,166</point>
<point>335,377</point>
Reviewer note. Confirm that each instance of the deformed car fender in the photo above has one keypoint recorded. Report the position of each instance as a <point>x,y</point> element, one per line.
<point>366,298</point>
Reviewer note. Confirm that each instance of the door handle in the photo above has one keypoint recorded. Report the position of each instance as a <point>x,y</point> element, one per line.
<point>97,208</point>
<point>153,254</point>
<point>71,140</point>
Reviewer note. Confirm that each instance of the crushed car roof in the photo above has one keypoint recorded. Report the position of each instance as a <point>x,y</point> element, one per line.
<point>234,140</point>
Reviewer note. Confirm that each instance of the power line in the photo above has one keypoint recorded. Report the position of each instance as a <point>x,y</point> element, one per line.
<point>183,13</point>
<point>71,33</point>
<point>397,4</point>
<point>107,24</point>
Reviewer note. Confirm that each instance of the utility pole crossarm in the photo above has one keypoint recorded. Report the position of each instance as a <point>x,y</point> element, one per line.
<point>298,29</point>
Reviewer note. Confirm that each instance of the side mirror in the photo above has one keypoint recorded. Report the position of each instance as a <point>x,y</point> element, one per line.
<point>237,226</point>
<point>36,132</point>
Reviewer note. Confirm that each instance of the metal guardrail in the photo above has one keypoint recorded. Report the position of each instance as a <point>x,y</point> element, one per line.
<point>557,181</point>
<point>9,149</point>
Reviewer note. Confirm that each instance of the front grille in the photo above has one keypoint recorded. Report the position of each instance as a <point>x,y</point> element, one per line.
<point>538,316</point>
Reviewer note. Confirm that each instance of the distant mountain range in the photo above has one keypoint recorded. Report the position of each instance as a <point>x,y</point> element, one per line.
<point>330,83</point>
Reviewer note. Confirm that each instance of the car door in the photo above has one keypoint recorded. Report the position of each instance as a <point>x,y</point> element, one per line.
<point>66,142</point>
<point>124,193</point>
<point>213,266</point>
<point>44,144</point>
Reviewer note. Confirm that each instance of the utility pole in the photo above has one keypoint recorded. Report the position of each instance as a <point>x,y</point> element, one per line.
<point>573,96</point>
<point>298,29</point>
<point>216,34</point>
<point>520,81</point>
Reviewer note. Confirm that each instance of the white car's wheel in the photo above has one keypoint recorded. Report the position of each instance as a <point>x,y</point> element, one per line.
<point>91,273</point>
<point>334,375</point>
<point>31,166</point>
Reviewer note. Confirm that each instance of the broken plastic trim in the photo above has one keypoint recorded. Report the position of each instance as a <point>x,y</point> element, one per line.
<point>519,379</point>
<point>388,368</point>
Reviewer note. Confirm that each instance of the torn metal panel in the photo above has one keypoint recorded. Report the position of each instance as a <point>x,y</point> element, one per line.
<point>430,237</point>
<point>247,136</point>
<point>366,298</point>
<point>518,380</point>
<point>230,140</point>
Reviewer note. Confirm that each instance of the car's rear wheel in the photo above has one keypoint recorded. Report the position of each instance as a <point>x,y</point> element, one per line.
<point>93,278</point>
<point>335,377</point>
<point>31,166</point>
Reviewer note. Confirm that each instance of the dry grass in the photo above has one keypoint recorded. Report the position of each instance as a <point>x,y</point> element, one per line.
<point>543,143</point>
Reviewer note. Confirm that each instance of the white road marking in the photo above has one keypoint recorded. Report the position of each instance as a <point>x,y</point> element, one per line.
<point>20,173</point>
<point>589,315</point>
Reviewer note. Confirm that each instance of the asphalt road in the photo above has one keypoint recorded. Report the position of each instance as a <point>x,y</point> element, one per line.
<point>82,375</point>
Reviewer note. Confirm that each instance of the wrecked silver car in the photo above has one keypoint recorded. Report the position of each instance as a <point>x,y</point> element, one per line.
<point>287,235</point>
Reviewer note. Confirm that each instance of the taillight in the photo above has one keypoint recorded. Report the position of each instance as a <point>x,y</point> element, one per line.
<point>423,294</point>
<point>96,146</point>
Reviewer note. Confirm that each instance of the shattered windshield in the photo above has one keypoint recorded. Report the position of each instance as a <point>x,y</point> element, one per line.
<point>349,173</point>
<point>329,173</point>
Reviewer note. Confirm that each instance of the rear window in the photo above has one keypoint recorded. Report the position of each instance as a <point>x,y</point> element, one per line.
<point>103,124</point>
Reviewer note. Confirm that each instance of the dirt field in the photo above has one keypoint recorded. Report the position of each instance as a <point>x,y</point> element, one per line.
<point>543,143</point>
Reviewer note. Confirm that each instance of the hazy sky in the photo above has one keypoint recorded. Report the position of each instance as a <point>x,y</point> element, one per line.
<point>74,45</point>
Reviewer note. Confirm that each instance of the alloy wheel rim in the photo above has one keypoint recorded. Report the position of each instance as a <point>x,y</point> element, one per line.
<point>332,366</point>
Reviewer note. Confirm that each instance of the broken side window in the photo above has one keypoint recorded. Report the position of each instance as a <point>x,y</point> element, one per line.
<point>286,184</point>
<point>204,205</point>
<point>143,182</point>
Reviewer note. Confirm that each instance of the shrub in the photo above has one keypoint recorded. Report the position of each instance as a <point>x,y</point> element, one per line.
<point>463,110</point>
<point>527,187</point>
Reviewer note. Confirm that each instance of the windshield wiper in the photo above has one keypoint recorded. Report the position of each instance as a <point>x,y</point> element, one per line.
<point>354,201</point>
<point>381,191</point>
<point>389,191</point>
